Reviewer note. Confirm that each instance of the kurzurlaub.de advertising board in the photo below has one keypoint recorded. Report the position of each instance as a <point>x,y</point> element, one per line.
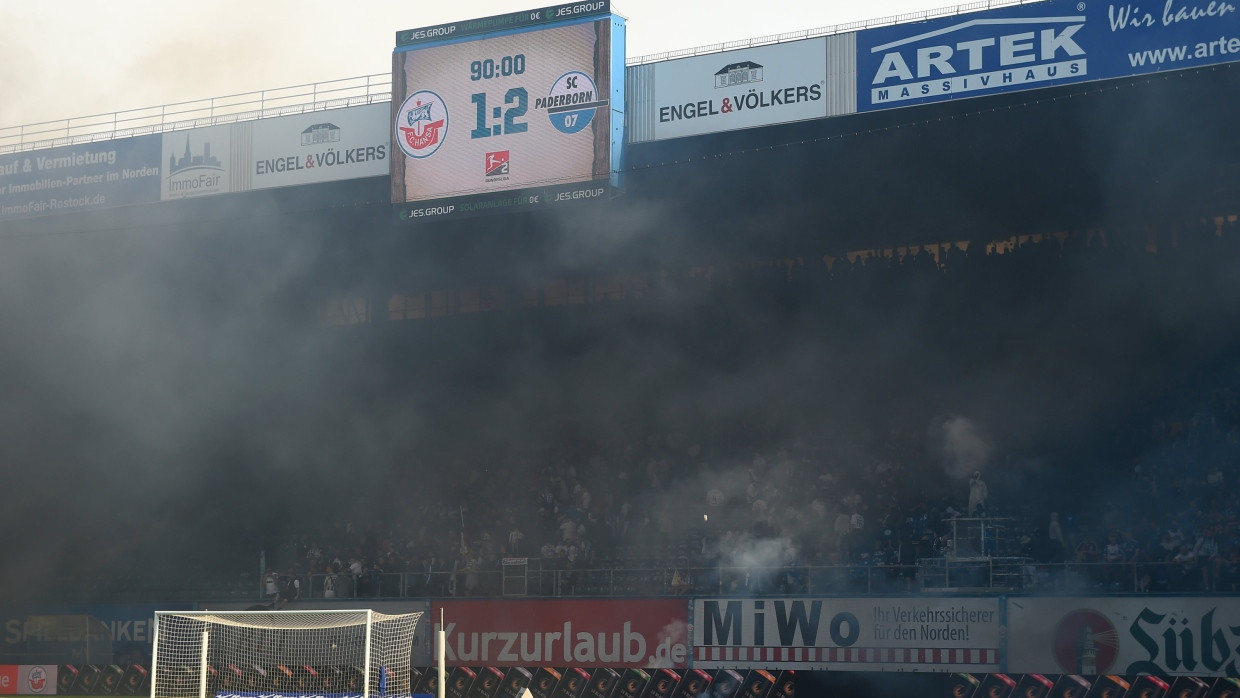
<point>1039,45</point>
<point>597,633</point>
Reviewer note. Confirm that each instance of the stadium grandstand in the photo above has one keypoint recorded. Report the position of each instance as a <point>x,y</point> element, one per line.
<point>972,348</point>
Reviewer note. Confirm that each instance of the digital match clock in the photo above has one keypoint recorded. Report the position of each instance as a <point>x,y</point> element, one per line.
<point>528,106</point>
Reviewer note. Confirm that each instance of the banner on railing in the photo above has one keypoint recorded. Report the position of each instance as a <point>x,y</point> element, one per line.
<point>27,679</point>
<point>849,634</point>
<point>86,177</point>
<point>1196,636</point>
<point>594,633</point>
<point>740,89</point>
<point>323,146</point>
<point>1037,45</point>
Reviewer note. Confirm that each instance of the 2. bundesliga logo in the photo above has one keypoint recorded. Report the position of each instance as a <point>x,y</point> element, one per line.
<point>497,165</point>
<point>426,117</point>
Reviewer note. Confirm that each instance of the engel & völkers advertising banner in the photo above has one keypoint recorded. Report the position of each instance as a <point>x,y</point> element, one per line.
<point>1039,45</point>
<point>27,679</point>
<point>321,146</point>
<point>1148,635</point>
<point>850,634</point>
<point>740,89</point>
<point>640,634</point>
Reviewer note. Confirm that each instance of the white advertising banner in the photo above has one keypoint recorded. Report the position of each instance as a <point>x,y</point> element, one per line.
<point>1198,636</point>
<point>196,163</point>
<point>28,679</point>
<point>740,89</point>
<point>853,634</point>
<point>321,146</point>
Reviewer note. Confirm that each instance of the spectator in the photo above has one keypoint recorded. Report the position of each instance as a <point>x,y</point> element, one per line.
<point>1113,557</point>
<point>978,493</point>
<point>290,593</point>
<point>1059,545</point>
<point>329,584</point>
<point>271,584</point>
<point>1086,552</point>
<point>1187,570</point>
<point>1208,558</point>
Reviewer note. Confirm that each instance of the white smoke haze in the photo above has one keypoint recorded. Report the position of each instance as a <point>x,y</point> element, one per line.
<point>160,53</point>
<point>758,555</point>
<point>965,449</point>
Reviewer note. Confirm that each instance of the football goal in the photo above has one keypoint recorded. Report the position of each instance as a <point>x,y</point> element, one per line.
<point>201,654</point>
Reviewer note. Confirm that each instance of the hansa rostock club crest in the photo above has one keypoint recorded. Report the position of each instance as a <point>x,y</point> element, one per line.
<point>421,124</point>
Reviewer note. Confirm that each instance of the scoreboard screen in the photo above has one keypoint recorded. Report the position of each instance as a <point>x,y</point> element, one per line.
<point>528,107</point>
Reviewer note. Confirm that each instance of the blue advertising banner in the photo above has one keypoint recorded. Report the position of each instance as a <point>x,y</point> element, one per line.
<point>1039,45</point>
<point>82,177</point>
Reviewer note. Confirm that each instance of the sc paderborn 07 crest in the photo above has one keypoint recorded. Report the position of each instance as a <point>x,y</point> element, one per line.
<point>421,124</point>
<point>571,102</point>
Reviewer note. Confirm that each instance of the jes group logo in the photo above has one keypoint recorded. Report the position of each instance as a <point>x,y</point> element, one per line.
<point>421,124</point>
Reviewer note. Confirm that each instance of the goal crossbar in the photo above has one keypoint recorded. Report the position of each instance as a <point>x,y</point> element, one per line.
<point>353,653</point>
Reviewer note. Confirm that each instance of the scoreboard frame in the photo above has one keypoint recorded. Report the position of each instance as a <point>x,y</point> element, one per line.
<point>507,112</point>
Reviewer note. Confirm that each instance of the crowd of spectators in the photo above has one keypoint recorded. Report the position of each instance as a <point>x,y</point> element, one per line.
<point>1147,503</point>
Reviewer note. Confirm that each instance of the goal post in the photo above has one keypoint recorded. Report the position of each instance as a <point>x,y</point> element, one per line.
<point>342,654</point>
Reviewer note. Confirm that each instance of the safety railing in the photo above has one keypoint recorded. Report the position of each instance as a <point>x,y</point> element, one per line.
<point>347,92</point>
<point>244,106</point>
<point>1033,577</point>
<point>842,28</point>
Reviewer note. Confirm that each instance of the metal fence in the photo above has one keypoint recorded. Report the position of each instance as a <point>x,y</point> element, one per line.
<point>842,28</point>
<point>347,92</point>
<point>245,106</point>
<point>1060,578</point>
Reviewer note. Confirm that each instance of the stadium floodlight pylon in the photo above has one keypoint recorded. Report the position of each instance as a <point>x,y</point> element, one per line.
<point>343,654</point>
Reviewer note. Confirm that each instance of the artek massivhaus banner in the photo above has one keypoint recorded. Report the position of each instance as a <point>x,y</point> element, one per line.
<point>858,634</point>
<point>1039,45</point>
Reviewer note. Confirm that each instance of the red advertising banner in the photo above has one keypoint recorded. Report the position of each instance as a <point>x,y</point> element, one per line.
<point>579,633</point>
<point>8,678</point>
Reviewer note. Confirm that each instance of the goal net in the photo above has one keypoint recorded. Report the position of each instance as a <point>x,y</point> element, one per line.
<point>202,654</point>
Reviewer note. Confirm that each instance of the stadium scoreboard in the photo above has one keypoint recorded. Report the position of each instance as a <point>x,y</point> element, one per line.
<point>507,112</point>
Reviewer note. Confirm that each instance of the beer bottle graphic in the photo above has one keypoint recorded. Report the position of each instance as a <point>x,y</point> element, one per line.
<point>1087,653</point>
